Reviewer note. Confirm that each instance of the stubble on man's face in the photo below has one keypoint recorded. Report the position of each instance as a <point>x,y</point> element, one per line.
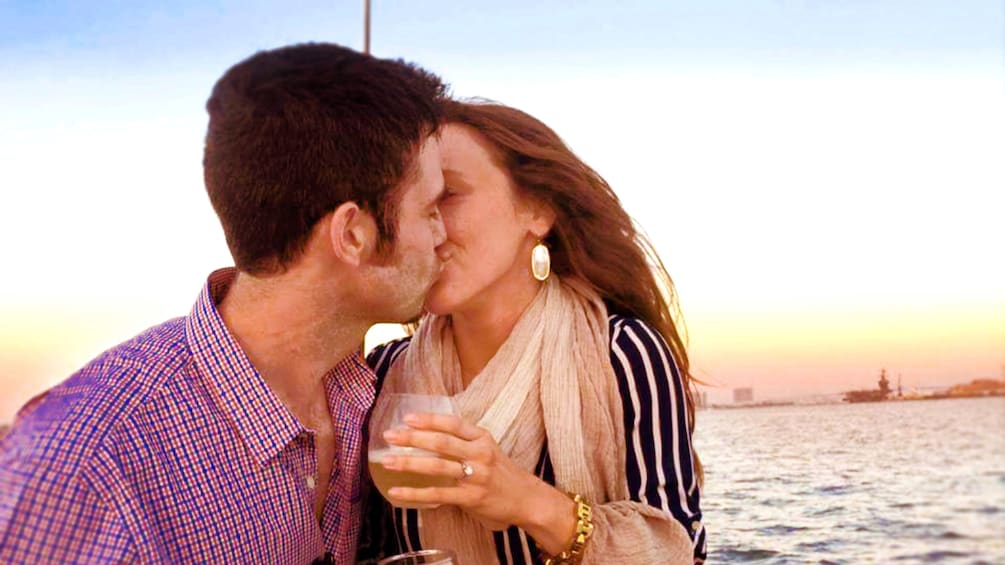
<point>413,265</point>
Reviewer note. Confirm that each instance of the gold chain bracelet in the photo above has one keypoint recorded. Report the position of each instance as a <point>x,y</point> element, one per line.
<point>584,529</point>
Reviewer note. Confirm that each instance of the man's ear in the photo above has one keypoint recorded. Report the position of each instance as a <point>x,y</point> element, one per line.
<point>352,233</point>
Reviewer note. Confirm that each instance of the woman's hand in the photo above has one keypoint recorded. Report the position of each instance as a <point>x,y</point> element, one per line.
<point>492,494</point>
<point>497,493</point>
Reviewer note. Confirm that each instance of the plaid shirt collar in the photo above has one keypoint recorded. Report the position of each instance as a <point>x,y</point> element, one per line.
<point>264,423</point>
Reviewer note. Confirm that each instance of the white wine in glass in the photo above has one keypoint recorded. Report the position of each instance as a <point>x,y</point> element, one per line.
<point>388,414</point>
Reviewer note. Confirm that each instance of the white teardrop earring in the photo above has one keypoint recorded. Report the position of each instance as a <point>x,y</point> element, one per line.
<point>540,262</point>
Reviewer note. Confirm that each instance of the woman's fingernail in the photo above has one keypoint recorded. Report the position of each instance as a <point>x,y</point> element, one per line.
<point>392,435</point>
<point>393,491</point>
<point>411,419</point>
<point>389,461</point>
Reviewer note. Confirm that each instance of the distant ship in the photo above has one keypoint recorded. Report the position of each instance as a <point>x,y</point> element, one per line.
<point>872,395</point>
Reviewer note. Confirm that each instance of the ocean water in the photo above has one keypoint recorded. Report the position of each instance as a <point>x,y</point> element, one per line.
<point>891,482</point>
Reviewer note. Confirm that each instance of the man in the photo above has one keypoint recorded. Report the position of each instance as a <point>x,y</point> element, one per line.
<point>234,434</point>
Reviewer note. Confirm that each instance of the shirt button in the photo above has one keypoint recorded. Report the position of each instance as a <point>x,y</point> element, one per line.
<point>310,483</point>
<point>695,525</point>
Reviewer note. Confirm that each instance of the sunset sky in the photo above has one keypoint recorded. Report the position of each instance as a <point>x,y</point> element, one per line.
<point>824,179</point>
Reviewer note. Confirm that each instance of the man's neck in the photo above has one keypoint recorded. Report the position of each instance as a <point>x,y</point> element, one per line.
<point>293,333</point>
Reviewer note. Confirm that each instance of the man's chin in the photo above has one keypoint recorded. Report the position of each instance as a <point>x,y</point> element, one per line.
<point>415,311</point>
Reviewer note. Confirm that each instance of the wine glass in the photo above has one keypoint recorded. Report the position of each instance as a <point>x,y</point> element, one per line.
<point>388,414</point>
<point>422,557</point>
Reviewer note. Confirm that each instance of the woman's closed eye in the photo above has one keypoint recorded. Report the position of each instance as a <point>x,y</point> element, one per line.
<point>449,197</point>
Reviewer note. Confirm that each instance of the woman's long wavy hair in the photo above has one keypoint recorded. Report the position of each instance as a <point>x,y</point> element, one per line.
<point>593,238</point>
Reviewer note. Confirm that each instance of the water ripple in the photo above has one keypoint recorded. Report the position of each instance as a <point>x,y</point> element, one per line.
<point>781,530</point>
<point>745,555</point>
<point>830,510</point>
<point>933,556</point>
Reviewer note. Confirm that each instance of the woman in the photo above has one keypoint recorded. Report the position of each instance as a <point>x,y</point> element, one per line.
<point>572,386</point>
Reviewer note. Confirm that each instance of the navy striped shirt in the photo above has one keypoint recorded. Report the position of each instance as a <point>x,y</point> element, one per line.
<point>659,465</point>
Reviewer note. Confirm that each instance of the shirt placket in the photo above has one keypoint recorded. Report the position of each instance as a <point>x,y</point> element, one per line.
<point>346,388</point>
<point>339,507</point>
<point>298,460</point>
<point>304,468</point>
<point>310,467</point>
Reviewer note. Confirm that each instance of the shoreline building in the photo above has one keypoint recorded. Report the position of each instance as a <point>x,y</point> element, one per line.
<point>743,395</point>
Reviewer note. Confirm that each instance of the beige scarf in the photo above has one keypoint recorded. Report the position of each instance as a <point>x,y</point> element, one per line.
<point>551,380</point>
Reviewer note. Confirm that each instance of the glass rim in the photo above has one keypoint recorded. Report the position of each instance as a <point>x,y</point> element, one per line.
<point>418,553</point>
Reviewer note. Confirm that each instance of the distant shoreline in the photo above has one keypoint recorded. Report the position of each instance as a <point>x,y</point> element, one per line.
<point>772,404</point>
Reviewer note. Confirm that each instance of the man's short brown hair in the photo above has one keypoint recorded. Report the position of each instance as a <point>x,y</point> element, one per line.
<point>297,131</point>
